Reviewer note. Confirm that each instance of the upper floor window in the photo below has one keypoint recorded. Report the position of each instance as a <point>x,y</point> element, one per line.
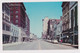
<point>11,16</point>
<point>11,11</point>
<point>7,28</point>
<point>3,26</point>
<point>6,18</point>
<point>16,16</point>
<point>16,7</point>
<point>16,21</point>
<point>16,11</point>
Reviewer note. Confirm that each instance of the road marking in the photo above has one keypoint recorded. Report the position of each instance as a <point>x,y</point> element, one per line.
<point>39,45</point>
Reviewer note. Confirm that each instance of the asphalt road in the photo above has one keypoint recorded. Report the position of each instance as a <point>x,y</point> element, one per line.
<point>38,45</point>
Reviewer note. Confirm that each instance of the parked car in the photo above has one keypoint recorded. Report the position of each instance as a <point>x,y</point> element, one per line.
<point>55,41</point>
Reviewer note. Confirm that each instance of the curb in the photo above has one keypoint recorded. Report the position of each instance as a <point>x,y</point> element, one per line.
<point>75,46</point>
<point>71,45</point>
<point>10,44</point>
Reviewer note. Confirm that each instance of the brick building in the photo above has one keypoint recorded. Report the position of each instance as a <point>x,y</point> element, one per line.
<point>17,14</point>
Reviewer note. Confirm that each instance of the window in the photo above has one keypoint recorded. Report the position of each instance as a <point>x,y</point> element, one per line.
<point>16,16</point>
<point>6,18</point>
<point>16,21</point>
<point>16,11</point>
<point>3,26</point>
<point>11,16</point>
<point>7,28</point>
<point>11,11</point>
<point>16,7</point>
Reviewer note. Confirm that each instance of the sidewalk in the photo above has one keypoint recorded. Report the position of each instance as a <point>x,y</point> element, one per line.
<point>14,43</point>
<point>68,44</point>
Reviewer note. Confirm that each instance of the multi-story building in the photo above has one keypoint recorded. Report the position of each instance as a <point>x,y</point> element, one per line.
<point>19,18</point>
<point>70,22</point>
<point>73,18</point>
<point>50,28</point>
<point>56,35</point>
<point>6,22</point>
<point>17,14</point>
<point>27,27</point>
<point>45,28</point>
<point>65,21</point>
<point>59,30</point>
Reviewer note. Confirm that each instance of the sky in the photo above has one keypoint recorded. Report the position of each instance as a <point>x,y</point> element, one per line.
<point>37,11</point>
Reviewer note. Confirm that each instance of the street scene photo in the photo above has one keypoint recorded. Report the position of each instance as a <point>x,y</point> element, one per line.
<point>40,25</point>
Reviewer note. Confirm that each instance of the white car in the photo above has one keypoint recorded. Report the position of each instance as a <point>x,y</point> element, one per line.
<point>55,41</point>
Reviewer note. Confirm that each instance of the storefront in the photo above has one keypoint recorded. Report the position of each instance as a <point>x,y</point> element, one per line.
<point>6,38</point>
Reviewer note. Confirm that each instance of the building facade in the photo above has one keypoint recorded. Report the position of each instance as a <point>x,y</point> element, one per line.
<point>45,28</point>
<point>27,27</point>
<point>70,22</point>
<point>17,14</point>
<point>51,28</point>
<point>14,33</point>
<point>59,30</point>
<point>6,23</point>
<point>19,18</point>
<point>56,29</point>
<point>65,21</point>
<point>73,18</point>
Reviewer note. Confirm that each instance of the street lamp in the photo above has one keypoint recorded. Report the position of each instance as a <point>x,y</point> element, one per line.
<point>67,38</point>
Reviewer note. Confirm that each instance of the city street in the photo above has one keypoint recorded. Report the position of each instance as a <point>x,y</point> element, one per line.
<point>37,45</point>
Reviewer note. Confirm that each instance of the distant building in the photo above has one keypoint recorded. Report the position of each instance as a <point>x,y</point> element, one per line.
<point>33,36</point>
<point>51,28</point>
<point>45,27</point>
<point>6,22</point>
<point>56,22</point>
<point>59,30</point>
